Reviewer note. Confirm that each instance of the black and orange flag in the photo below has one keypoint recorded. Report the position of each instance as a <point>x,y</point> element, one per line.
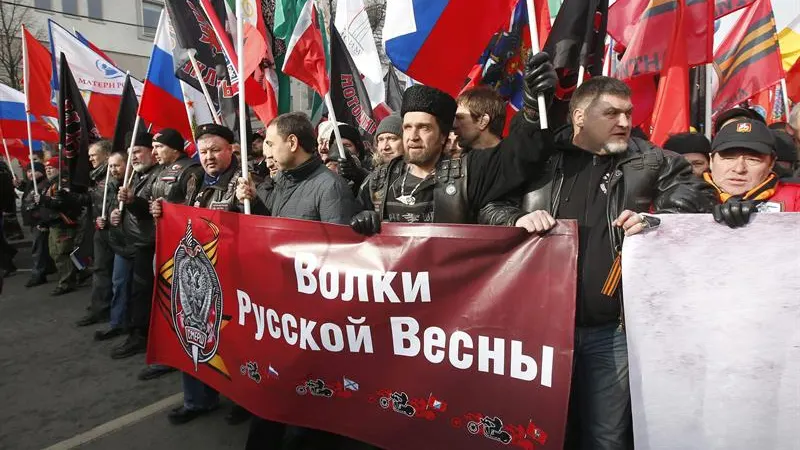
<point>749,60</point>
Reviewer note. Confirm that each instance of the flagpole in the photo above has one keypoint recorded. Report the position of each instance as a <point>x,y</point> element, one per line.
<point>535,48</point>
<point>192,52</point>
<point>581,74</point>
<point>242,108</point>
<point>60,175</point>
<point>344,154</point>
<point>129,165</point>
<point>708,101</point>
<point>26,80</point>
<point>785,98</point>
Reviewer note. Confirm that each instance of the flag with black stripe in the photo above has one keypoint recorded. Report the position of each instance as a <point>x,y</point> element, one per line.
<point>749,59</point>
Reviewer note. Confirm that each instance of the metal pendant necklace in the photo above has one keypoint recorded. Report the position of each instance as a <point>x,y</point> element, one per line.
<point>409,199</point>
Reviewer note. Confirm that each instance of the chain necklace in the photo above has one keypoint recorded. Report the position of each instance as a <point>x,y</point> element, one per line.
<point>409,199</point>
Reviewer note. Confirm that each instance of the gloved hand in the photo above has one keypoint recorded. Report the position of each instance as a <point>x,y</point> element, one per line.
<point>350,170</point>
<point>735,212</point>
<point>366,223</point>
<point>540,78</point>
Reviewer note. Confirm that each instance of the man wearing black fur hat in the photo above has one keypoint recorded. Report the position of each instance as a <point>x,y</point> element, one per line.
<point>427,187</point>
<point>694,147</point>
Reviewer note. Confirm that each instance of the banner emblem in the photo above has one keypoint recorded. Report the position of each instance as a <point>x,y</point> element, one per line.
<point>196,299</point>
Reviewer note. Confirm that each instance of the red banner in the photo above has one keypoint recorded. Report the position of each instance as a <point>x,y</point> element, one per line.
<point>439,336</point>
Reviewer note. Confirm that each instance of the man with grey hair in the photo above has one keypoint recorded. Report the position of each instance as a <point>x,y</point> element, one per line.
<point>603,178</point>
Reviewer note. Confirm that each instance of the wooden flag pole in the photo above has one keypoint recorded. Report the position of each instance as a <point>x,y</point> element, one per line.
<point>708,101</point>
<point>535,48</point>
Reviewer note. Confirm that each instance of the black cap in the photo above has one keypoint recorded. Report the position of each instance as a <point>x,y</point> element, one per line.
<point>350,133</point>
<point>745,134</point>
<point>784,146</point>
<point>259,134</point>
<point>738,111</point>
<point>143,139</point>
<point>683,143</point>
<point>215,130</point>
<point>171,138</point>
<point>427,99</point>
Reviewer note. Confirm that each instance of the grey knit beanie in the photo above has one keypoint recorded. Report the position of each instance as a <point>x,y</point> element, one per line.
<point>391,124</point>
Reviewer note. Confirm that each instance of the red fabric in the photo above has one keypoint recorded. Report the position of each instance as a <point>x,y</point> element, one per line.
<point>104,109</point>
<point>793,82</point>
<point>272,346</point>
<point>788,194</point>
<point>39,72</point>
<point>671,112</point>
<point>543,25</point>
<point>472,27</point>
<point>651,39</point>
<point>306,62</point>
<point>643,96</point>
<point>163,110</point>
<point>748,61</point>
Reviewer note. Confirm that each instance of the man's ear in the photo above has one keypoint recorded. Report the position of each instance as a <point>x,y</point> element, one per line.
<point>578,117</point>
<point>293,142</point>
<point>483,122</point>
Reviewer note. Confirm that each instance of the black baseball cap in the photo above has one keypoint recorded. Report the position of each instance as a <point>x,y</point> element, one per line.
<point>745,134</point>
<point>736,112</point>
<point>784,147</point>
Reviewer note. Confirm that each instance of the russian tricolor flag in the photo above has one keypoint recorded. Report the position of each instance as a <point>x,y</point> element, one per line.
<point>437,42</point>
<point>13,118</point>
<point>162,100</point>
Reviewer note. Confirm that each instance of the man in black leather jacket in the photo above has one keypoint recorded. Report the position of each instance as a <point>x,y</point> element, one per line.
<point>425,186</point>
<point>602,177</point>
<point>139,233</point>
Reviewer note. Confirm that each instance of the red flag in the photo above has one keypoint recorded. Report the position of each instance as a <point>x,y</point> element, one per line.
<point>643,96</point>
<point>305,55</point>
<point>651,37</point>
<point>793,82</point>
<point>624,15</point>
<point>39,75</point>
<point>748,61</point>
<point>543,25</point>
<point>104,108</point>
<point>671,114</point>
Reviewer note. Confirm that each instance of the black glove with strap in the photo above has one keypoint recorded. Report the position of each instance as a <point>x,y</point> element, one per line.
<point>540,78</point>
<point>351,170</point>
<point>366,223</point>
<point>735,212</point>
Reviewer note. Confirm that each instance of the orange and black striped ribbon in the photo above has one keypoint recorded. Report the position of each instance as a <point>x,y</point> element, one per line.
<point>614,277</point>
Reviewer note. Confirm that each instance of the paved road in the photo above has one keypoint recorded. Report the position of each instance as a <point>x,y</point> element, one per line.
<point>56,383</point>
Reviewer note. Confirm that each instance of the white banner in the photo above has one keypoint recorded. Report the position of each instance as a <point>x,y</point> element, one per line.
<point>353,25</point>
<point>713,323</point>
<point>91,71</point>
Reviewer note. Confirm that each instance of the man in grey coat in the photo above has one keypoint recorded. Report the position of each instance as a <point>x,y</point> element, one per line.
<point>304,188</point>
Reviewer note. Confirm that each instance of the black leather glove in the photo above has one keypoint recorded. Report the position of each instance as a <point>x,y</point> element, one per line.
<point>351,171</point>
<point>540,78</point>
<point>366,223</point>
<point>735,212</point>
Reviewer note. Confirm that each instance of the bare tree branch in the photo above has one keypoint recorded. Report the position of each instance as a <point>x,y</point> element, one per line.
<point>12,17</point>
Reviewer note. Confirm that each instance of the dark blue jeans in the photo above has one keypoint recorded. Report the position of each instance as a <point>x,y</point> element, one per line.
<point>197,395</point>
<point>600,401</point>
<point>120,290</point>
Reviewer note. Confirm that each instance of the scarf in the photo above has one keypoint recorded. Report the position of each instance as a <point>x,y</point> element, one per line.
<point>763,191</point>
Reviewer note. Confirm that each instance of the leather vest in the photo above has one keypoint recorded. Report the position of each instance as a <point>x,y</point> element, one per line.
<point>221,196</point>
<point>450,202</point>
<point>170,183</point>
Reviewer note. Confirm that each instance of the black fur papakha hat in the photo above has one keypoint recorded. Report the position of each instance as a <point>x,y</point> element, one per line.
<point>419,98</point>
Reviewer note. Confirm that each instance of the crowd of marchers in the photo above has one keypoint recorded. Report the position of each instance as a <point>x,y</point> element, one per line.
<point>438,160</point>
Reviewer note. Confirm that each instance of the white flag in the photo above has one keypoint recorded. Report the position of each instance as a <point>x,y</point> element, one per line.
<point>91,71</point>
<point>713,324</point>
<point>353,24</point>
